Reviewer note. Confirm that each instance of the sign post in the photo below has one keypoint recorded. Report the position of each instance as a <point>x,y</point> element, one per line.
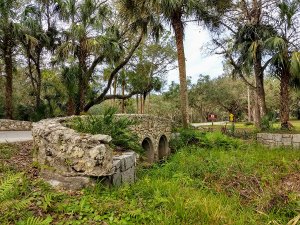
<point>212,118</point>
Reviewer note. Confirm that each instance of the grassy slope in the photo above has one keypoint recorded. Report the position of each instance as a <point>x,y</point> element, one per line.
<point>246,185</point>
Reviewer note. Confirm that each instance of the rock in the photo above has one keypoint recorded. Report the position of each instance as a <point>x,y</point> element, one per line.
<point>103,138</point>
<point>15,125</point>
<point>67,183</point>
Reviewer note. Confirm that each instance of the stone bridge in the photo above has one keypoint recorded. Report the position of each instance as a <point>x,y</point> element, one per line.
<point>71,160</point>
<point>154,134</point>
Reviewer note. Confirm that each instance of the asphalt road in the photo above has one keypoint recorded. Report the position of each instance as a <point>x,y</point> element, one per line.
<point>15,136</point>
<point>208,124</point>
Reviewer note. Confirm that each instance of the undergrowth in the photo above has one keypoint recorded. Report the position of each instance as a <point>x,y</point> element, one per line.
<point>217,180</point>
<point>117,128</point>
<point>193,137</point>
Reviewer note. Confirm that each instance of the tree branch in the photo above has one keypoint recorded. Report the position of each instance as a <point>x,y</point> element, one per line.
<point>113,74</point>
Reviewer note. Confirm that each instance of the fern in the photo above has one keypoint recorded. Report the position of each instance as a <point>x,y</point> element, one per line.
<point>36,221</point>
<point>12,205</point>
<point>47,201</point>
<point>8,184</point>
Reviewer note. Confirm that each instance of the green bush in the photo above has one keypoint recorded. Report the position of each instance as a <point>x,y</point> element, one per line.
<point>192,137</point>
<point>117,128</point>
<point>186,137</point>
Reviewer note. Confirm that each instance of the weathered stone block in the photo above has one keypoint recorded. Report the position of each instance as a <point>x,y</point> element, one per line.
<point>296,145</point>
<point>66,183</point>
<point>296,138</point>
<point>128,176</point>
<point>277,137</point>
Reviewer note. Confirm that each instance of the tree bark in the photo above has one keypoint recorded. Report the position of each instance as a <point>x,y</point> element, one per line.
<point>71,106</point>
<point>141,102</point>
<point>261,108</point>
<point>137,103</point>
<point>284,99</point>
<point>39,83</point>
<point>123,94</point>
<point>8,51</point>
<point>179,35</point>
<point>249,104</point>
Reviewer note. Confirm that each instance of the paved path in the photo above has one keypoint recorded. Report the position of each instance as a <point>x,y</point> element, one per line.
<point>208,124</point>
<point>15,136</point>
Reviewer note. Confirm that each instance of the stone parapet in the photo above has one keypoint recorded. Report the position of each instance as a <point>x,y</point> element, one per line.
<point>70,153</point>
<point>15,125</point>
<point>72,160</point>
<point>152,128</point>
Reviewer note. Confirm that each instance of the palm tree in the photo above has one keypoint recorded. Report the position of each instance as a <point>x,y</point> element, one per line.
<point>82,19</point>
<point>174,13</point>
<point>34,39</point>
<point>7,45</point>
<point>285,54</point>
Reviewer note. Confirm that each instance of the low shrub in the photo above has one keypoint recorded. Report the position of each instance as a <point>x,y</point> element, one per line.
<point>192,137</point>
<point>117,128</point>
<point>186,137</point>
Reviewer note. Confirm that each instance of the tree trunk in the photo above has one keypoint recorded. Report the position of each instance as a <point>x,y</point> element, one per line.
<point>249,104</point>
<point>284,99</point>
<point>137,103</point>
<point>70,106</point>
<point>141,102</point>
<point>261,108</point>
<point>149,102</point>
<point>179,34</point>
<point>38,84</point>
<point>115,89</point>
<point>9,79</point>
<point>123,94</point>
<point>80,95</point>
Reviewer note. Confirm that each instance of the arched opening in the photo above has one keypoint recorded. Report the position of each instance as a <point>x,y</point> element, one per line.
<point>163,147</point>
<point>148,147</point>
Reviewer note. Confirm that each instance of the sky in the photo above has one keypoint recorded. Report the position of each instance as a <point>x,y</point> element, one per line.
<point>197,62</point>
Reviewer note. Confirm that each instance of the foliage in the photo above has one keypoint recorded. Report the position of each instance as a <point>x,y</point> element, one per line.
<point>248,185</point>
<point>192,137</point>
<point>117,128</point>
<point>13,205</point>
<point>267,122</point>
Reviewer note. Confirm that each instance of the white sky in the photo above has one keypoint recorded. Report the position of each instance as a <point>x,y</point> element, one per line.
<point>197,62</point>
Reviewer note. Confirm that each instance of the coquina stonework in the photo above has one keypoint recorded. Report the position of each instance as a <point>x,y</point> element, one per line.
<point>15,125</point>
<point>154,134</point>
<point>278,140</point>
<point>72,160</point>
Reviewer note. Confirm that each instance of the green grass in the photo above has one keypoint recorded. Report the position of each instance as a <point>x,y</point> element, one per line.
<point>245,184</point>
<point>242,126</point>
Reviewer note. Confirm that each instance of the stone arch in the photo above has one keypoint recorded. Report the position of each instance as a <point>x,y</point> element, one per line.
<point>163,147</point>
<point>148,147</point>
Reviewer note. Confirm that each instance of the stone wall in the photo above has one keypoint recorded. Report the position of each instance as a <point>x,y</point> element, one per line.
<point>72,160</point>
<point>151,128</point>
<point>277,140</point>
<point>71,153</point>
<point>14,125</point>
<point>123,170</point>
